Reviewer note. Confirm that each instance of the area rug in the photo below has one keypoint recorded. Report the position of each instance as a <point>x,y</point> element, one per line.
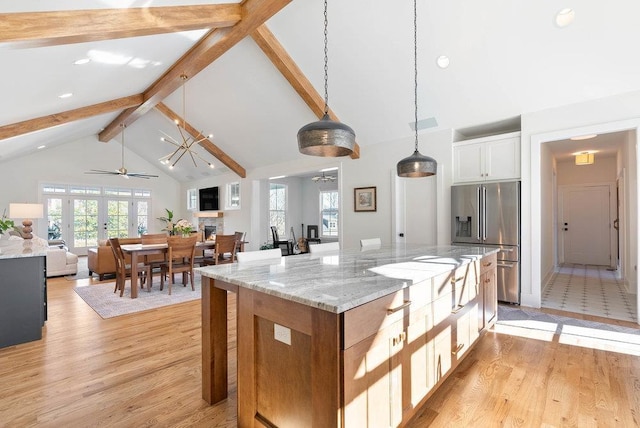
<point>108,304</point>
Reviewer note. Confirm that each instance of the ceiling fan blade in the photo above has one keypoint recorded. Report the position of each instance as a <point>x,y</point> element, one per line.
<point>99,171</point>
<point>141,175</point>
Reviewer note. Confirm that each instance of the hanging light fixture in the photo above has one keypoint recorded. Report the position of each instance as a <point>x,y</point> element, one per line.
<point>326,137</point>
<point>186,145</point>
<point>323,178</point>
<point>416,165</point>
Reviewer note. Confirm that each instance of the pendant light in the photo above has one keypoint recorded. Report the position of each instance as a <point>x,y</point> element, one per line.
<point>326,137</point>
<point>417,165</point>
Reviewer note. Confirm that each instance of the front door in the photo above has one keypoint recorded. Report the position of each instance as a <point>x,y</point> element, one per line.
<point>585,224</point>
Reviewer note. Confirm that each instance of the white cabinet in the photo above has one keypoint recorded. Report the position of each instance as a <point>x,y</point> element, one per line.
<point>487,159</point>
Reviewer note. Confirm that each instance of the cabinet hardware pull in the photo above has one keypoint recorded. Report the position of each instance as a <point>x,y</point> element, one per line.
<point>457,309</point>
<point>401,338</point>
<point>487,264</point>
<point>488,280</point>
<point>458,349</point>
<point>406,304</point>
<point>503,265</point>
<point>454,280</point>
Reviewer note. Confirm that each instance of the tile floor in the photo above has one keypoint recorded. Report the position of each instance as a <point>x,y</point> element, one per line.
<point>591,290</point>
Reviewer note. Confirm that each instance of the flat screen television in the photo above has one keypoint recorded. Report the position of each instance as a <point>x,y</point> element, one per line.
<point>209,199</point>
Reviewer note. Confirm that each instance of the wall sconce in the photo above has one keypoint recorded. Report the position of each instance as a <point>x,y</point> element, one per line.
<point>26,212</point>
<point>584,158</point>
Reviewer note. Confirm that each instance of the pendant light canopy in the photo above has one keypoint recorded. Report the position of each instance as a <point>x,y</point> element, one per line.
<point>326,137</point>
<point>417,165</point>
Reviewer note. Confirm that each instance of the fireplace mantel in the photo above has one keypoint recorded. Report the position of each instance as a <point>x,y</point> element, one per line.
<point>208,214</point>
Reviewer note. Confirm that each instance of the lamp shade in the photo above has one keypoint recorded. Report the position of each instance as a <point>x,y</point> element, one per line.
<point>26,211</point>
<point>326,137</point>
<point>417,165</point>
<point>585,158</point>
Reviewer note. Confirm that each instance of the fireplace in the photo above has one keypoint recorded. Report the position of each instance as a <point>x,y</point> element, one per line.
<point>208,231</point>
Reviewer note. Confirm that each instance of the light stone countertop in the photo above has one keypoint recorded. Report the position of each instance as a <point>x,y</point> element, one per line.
<point>13,249</point>
<point>341,280</point>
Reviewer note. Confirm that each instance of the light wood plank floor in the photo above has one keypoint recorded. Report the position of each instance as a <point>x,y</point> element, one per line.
<point>144,370</point>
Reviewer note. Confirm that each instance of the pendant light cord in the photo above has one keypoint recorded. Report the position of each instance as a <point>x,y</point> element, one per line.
<point>415,69</point>
<point>326,62</point>
<point>123,126</point>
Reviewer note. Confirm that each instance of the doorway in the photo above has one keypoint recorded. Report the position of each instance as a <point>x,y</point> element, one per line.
<point>585,268</point>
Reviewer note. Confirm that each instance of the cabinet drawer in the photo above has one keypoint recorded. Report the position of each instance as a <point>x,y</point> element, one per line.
<point>488,263</point>
<point>365,320</point>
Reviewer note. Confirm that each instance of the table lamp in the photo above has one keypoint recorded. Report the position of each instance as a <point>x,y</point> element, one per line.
<point>27,212</point>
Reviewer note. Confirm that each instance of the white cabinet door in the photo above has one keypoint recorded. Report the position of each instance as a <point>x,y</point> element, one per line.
<point>502,159</point>
<point>468,163</point>
<point>487,159</point>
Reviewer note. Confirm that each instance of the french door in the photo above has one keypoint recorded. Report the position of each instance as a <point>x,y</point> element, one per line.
<point>82,220</point>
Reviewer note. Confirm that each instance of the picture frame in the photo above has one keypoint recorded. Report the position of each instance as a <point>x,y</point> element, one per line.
<point>364,199</point>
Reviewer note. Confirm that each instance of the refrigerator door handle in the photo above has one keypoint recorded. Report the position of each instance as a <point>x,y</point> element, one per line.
<point>479,210</point>
<point>484,213</point>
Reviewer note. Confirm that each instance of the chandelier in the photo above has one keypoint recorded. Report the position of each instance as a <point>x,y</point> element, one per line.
<point>323,178</point>
<point>186,145</point>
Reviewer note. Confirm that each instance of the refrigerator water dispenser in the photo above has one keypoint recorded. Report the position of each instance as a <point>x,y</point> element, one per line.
<point>463,227</point>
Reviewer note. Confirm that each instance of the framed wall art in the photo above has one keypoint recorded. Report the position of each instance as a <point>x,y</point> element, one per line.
<point>364,199</point>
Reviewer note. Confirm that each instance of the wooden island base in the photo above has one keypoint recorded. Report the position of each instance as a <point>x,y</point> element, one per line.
<point>373,365</point>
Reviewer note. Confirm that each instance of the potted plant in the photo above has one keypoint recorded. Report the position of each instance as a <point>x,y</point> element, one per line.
<point>168,220</point>
<point>183,227</point>
<point>5,223</point>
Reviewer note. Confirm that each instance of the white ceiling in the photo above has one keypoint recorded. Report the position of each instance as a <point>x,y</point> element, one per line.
<point>507,58</point>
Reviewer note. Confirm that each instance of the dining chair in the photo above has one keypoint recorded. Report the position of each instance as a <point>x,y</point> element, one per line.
<point>278,243</point>
<point>240,241</point>
<point>225,244</point>
<point>154,261</point>
<point>248,256</point>
<point>326,247</point>
<point>180,258</point>
<point>123,270</point>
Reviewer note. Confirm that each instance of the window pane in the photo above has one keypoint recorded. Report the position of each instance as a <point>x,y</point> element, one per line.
<point>277,208</point>
<point>329,213</point>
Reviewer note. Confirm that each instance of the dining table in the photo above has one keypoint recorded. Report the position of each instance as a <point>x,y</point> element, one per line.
<point>136,251</point>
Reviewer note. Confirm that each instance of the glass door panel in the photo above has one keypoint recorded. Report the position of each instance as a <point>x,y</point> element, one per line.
<point>54,215</point>
<point>117,219</point>
<point>85,222</point>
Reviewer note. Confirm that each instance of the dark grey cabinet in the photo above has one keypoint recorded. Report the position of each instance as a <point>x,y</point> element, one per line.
<point>23,301</point>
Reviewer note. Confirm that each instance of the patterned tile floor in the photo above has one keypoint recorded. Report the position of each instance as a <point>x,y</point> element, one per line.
<point>591,290</point>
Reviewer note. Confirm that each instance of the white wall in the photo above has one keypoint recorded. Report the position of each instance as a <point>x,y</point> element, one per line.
<point>374,168</point>
<point>610,114</point>
<point>67,163</point>
<point>603,170</point>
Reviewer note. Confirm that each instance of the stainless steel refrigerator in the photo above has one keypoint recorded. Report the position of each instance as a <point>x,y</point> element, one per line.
<point>489,214</point>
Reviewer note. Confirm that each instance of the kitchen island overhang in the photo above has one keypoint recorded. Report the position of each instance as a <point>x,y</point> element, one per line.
<point>308,325</point>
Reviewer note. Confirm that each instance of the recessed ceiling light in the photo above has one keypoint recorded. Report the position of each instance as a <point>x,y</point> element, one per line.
<point>81,61</point>
<point>67,95</point>
<point>584,137</point>
<point>41,147</point>
<point>565,17</point>
<point>443,61</point>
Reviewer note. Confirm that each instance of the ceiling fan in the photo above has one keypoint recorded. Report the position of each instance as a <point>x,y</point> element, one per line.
<point>323,178</point>
<point>122,171</point>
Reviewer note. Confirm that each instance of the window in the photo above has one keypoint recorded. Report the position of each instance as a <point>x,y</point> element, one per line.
<point>192,200</point>
<point>233,196</point>
<point>142,210</point>
<point>277,207</point>
<point>329,213</point>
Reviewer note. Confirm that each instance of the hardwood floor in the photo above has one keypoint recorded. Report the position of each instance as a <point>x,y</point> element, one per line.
<point>144,370</point>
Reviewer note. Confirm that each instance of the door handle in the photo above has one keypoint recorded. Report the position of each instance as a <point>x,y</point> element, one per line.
<point>616,224</point>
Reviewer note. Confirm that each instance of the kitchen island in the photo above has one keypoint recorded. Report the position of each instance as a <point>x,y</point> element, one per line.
<point>351,338</point>
<point>23,287</point>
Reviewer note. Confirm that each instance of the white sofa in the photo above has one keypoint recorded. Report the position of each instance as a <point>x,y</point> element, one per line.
<point>61,262</point>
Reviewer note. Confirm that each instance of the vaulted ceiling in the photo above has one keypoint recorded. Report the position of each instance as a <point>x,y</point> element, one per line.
<point>255,70</point>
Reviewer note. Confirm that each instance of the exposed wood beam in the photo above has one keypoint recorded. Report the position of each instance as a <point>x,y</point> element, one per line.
<point>296,78</point>
<point>44,122</point>
<point>78,26</point>
<point>207,50</point>
<point>206,143</point>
